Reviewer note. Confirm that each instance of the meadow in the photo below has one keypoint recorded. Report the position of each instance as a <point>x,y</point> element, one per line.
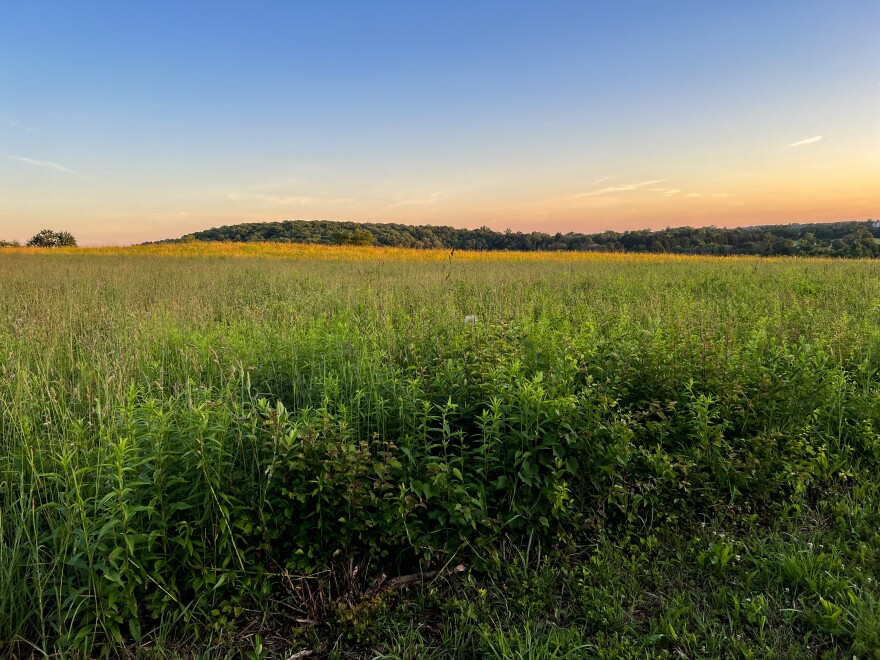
<point>253,450</point>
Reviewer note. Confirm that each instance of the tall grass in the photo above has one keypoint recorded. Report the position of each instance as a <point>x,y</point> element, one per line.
<point>189,440</point>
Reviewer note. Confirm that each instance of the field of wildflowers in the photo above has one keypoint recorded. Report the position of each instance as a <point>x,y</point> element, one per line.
<point>251,450</point>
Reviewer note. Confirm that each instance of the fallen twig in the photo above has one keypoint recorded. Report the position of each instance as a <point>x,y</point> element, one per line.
<point>406,580</point>
<point>300,654</point>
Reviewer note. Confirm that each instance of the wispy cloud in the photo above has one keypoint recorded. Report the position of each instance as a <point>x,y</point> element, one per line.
<point>47,164</point>
<point>427,200</point>
<point>156,215</point>
<point>286,200</point>
<point>646,187</point>
<point>614,189</point>
<point>23,127</point>
<point>604,179</point>
<point>807,141</point>
<point>617,176</point>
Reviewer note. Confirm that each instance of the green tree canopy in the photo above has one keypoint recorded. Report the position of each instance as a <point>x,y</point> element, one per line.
<point>832,239</point>
<point>50,238</point>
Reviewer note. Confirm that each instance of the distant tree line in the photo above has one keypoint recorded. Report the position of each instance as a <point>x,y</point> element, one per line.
<point>833,239</point>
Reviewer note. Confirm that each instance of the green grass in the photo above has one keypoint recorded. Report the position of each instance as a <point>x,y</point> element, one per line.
<point>209,456</point>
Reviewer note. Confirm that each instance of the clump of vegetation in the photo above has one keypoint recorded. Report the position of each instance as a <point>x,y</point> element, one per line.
<point>621,457</point>
<point>9,243</point>
<point>48,238</point>
<point>356,237</point>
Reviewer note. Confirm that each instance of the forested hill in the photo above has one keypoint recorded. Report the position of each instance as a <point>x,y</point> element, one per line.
<point>842,239</point>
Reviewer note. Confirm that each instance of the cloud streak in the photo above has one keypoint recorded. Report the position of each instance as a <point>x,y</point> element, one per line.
<point>432,198</point>
<point>613,189</point>
<point>429,200</point>
<point>45,164</point>
<point>811,140</point>
<point>604,179</point>
<point>286,200</point>
<point>23,127</point>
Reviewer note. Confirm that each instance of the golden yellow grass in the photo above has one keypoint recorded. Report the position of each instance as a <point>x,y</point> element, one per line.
<point>352,253</point>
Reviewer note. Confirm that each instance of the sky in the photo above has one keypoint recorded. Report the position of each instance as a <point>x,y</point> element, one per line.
<point>124,122</point>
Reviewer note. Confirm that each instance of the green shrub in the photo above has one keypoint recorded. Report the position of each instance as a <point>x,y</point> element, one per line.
<point>49,239</point>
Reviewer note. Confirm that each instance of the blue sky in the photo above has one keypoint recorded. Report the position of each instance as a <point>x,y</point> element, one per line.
<point>125,122</point>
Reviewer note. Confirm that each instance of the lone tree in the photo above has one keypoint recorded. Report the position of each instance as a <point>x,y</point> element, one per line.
<point>49,238</point>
